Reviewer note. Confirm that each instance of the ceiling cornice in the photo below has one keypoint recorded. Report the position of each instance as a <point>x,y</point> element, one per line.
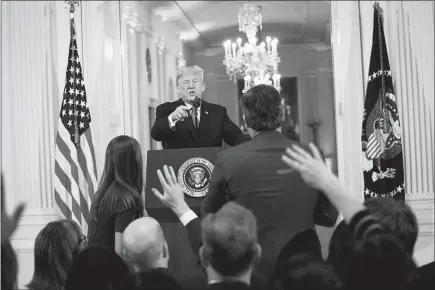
<point>189,23</point>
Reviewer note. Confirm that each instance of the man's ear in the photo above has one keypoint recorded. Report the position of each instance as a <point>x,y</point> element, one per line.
<point>258,252</point>
<point>165,251</point>
<point>203,87</point>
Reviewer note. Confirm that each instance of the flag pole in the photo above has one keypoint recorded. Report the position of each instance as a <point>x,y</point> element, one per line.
<point>72,4</point>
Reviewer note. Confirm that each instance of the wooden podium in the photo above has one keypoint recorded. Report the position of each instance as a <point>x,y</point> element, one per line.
<point>193,168</point>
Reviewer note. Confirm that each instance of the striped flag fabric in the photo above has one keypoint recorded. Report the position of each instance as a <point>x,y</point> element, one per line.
<point>75,167</point>
<point>373,147</point>
<point>382,159</point>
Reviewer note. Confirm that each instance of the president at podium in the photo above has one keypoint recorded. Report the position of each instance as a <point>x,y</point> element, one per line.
<point>191,122</point>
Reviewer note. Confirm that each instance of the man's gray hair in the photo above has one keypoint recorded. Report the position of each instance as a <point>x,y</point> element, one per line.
<point>229,239</point>
<point>190,70</point>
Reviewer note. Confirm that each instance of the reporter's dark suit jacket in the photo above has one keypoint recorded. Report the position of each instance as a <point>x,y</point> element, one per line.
<point>214,126</point>
<point>284,205</point>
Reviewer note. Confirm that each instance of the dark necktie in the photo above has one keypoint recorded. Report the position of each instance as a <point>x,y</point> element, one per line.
<point>193,113</point>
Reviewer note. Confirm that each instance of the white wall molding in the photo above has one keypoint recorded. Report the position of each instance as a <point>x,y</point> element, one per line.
<point>349,95</point>
<point>135,16</point>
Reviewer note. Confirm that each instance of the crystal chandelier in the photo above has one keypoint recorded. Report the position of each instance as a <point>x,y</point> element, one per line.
<point>256,63</point>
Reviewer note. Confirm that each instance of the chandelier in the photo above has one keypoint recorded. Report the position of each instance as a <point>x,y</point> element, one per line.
<point>255,63</point>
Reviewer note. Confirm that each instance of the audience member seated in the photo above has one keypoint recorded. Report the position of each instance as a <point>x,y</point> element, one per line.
<point>146,252</point>
<point>56,247</point>
<point>397,218</point>
<point>380,262</point>
<point>230,247</point>
<point>305,271</point>
<point>99,269</point>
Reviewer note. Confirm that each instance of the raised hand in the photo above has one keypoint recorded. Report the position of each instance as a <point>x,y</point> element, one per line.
<point>173,194</point>
<point>9,223</point>
<point>312,168</point>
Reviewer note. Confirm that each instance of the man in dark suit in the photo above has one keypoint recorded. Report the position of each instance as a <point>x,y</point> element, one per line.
<point>191,122</point>
<point>282,203</point>
<point>227,240</point>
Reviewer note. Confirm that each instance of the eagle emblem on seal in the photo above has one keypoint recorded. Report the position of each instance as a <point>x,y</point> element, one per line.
<point>195,174</point>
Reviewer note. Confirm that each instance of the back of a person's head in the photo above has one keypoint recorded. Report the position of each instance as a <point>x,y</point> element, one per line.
<point>144,245</point>
<point>229,239</point>
<point>9,267</point>
<point>397,218</point>
<point>98,269</point>
<point>305,271</point>
<point>56,247</point>
<point>122,173</point>
<point>262,108</point>
<point>379,262</point>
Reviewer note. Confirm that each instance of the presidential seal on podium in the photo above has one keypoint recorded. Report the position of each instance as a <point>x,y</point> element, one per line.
<point>194,175</point>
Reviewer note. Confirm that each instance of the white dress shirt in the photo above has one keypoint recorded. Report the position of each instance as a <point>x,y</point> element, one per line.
<point>198,114</point>
<point>188,217</point>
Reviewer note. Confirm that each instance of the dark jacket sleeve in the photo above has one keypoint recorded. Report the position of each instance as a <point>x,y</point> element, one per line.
<point>161,130</point>
<point>232,134</point>
<point>216,196</point>
<point>325,214</point>
<point>194,232</point>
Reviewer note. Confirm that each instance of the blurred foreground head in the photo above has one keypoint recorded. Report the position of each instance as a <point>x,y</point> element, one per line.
<point>144,245</point>
<point>230,244</point>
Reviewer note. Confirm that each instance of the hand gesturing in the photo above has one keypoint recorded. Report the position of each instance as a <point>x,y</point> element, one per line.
<point>312,168</point>
<point>173,194</point>
<point>9,223</point>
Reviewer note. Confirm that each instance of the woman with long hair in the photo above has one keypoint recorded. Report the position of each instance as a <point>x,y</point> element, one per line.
<point>118,200</point>
<point>56,247</point>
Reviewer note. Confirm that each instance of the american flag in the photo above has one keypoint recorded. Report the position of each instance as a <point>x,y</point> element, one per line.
<point>75,167</point>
